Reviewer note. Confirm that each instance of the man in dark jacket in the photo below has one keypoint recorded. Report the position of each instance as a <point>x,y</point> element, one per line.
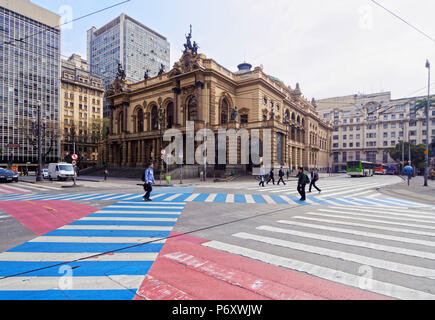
<point>314,179</point>
<point>271,177</point>
<point>302,183</point>
<point>281,176</point>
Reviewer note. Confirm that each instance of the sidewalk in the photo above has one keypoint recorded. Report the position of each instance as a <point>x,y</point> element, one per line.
<point>415,191</point>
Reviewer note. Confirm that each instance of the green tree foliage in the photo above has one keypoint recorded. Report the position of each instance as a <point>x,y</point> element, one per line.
<point>417,153</point>
<point>422,103</point>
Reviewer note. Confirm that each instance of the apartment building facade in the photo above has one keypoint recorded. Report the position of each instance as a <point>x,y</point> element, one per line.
<point>365,126</point>
<point>81,116</point>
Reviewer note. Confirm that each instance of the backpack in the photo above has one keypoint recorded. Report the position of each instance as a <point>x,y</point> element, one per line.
<point>306,179</point>
<point>143,177</point>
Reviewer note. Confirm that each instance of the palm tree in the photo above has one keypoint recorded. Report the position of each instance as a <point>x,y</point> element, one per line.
<point>422,103</point>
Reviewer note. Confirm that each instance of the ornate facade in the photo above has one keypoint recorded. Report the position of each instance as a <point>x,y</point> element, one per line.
<point>198,89</point>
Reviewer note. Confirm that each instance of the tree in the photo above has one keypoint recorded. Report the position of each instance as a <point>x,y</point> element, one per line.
<point>417,153</point>
<point>422,103</point>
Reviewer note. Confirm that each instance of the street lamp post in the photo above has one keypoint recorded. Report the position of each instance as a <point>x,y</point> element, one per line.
<point>426,169</point>
<point>39,174</point>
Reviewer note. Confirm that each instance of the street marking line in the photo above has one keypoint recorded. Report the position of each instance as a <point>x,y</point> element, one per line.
<point>63,257</point>
<point>97,240</point>
<point>115,227</point>
<point>372,214</point>
<point>126,219</point>
<point>155,289</point>
<point>346,256</point>
<point>211,197</point>
<point>402,230</point>
<point>381,236</point>
<point>123,282</point>
<point>139,212</point>
<point>396,211</point>
<point>230,198</point>
<point>354,217</point>
<point>351,242</point>
<point>386,289</point>
<point>249,198</point>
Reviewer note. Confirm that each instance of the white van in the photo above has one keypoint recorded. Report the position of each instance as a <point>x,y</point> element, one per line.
<point>61,171</point>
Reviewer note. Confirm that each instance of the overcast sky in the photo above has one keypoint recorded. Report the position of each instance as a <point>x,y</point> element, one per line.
<point>332,48</point>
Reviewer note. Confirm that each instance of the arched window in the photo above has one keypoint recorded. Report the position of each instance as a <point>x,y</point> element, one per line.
<point>192,106</point>
<point>170,115</point>
<point>224,111</point>
<point>293,117</point>
<point>298,120</point>
<point>154,118</point>
<point>287,116</point>
<point>303,122</point>
<point>140,120</point>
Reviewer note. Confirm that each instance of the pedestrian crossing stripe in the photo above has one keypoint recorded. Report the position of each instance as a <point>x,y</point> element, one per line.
<point>107,253</point>
<point>368,200</point>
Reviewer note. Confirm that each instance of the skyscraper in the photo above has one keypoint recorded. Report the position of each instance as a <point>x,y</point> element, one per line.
<point>29,77</point>
<point>127,41</point>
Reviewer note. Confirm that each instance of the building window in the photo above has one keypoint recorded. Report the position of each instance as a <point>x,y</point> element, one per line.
<point>224,111</point>
<point>244,118</point>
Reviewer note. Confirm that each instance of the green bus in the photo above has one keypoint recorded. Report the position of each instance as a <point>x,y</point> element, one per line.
<point>360,168</point>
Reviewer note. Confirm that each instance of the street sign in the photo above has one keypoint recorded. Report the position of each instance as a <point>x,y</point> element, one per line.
<point>74,163</point>
<point>74,156</point>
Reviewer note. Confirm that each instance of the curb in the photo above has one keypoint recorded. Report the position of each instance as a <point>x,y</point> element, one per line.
<point>409,197</point>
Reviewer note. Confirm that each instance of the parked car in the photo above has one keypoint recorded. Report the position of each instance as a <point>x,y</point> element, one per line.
<point>61,171</point>
<point>45,173</point>
<point>6,176</point>
<point>14,175</point>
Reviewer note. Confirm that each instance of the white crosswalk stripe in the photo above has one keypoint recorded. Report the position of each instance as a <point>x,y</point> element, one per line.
<point>398,245</point>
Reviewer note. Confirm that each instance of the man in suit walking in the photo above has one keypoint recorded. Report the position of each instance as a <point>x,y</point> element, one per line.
<point>281,176</point>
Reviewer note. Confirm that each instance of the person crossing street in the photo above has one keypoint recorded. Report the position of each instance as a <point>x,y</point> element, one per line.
<point>262,174</point>
<point>314,179</point>
<point>148,182</point>
<point>303,180</point>
<point>271,177</point>
<point>281,176</point>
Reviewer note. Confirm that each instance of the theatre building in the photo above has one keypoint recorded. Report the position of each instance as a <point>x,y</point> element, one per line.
<point>200,90</point>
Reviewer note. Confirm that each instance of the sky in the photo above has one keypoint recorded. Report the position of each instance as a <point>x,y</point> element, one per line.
<point>332,48</point>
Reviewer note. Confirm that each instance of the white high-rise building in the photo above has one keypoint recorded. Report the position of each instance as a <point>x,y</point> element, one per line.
<point>138,48</point>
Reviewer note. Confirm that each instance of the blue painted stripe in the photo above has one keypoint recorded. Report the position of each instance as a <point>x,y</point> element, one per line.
<point>69,295</point>
<point>181,198</point>
<point>338,201</point>
<point>297,200</point>
<point>115,209</point>
<point>201,197</point>
<point>221,198</point>
<point>64,247</point>
<point>410,203</point>
<point>128,215</point>
<point>278,200</point>
<point>79,269</point>
<point>143,203</point>
<point>109,233</point>
<point>358,201</point>
<point>162,197</point>
<point>122,223</point>
<point>239,198</point>
<point>259,199</point>
<point>378,201</point>
<point>319,201</point>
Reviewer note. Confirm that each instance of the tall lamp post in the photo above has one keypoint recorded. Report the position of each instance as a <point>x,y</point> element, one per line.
<point>39,174</point>
<point>162,124</point>
<point>426,169</point>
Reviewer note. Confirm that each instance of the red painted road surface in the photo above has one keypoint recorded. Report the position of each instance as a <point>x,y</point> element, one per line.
<point>186,270</point>
<point>42,217</point>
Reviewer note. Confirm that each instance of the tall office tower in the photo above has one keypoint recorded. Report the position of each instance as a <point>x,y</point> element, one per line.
<point>138,48</point>
<point>29,77</point>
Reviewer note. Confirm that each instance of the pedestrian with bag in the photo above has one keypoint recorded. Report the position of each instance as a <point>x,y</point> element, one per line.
<point>303,180</point>
<point>148,179</point>
<point>262,174</point>
<point>271,177</point>
<point>281,176</point>
<point>314,179</point>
